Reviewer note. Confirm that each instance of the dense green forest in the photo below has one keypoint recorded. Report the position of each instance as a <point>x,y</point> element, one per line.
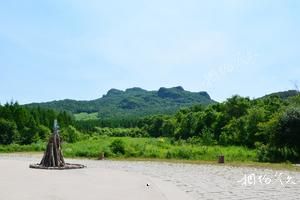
<point>131,103</point>
<point>22,125</point>
<point>270,126</point>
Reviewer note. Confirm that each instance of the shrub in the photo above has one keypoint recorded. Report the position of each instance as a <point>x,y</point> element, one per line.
<point>267,153</point>
<point>117,147</point>
<point>43,132</point>
<point>29,135</point>
<point>208,137</point>
<point>70,134</point>
<point>283,132</point>
<point>184,153</point>
<point>288,133</point>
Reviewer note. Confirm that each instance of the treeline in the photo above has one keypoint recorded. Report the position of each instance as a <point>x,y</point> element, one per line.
<point>23,125</point>
<point>270,124</point>
<point>89,125</point>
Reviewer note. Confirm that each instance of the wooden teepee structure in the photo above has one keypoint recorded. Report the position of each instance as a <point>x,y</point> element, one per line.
<point>53,157</point>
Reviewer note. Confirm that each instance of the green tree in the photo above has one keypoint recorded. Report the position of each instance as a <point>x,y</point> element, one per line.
<point>29,133</point>
<point>233,133</point>
<point>186,127</point>
<point>236,106</point>
<point>70,134</point>
<point>8,131</point>
<point>282,133</point>
<point>168,128</point>
<point>288,131</point>
<point>43,132</point>
<point>251,121</point>
<point>207,137</point>
<point>155,126</point>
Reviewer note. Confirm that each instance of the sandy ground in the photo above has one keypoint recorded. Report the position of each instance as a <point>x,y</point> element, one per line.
<point>127,180</point>
<point>18,181</point>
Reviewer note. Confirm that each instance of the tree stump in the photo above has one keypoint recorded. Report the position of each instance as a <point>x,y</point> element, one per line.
<point>221,159</point>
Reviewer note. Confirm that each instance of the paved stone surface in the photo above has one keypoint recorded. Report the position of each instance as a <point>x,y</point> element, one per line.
<point>217,182</point>
<point>213,181</point>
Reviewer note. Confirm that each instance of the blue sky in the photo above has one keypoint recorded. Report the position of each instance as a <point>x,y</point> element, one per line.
<point>59,49</point>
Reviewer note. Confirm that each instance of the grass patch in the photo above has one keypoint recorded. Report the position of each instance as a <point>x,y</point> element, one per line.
<point>146,148</point>
<point>160,148</point>
<point>154,149</point>
<point>36,147</point>
<point>86,116</point>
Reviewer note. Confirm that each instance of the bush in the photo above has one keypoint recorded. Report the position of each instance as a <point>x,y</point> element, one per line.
<point>288,134</point>
<point>117,147</point>
<point>184,153</point>
<point>195,140</point>
<point>208,137</point>
<point>267,153</point>
<point>43,132</point>
<point>70,134</point>
<point>29,135</point>
<point>283,131</point>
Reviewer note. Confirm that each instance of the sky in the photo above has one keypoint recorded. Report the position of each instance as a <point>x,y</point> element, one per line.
<point>58,49</point>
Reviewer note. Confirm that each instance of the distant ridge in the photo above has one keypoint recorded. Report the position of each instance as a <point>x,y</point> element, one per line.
<point>284,94</point>
<point>132,102</point>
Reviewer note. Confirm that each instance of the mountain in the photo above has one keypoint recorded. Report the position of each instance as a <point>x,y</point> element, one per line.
<point>283,95</point>
<point>132,102</point>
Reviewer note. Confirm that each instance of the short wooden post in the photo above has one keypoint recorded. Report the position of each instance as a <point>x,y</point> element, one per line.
<point>101,156</point>
<point>221,159</point>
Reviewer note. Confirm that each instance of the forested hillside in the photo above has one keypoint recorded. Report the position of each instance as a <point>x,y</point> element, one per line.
<point>132,103</point>
<point>283,94</point>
